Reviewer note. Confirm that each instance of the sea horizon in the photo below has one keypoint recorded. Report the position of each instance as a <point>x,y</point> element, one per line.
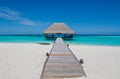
<point>74,34</point>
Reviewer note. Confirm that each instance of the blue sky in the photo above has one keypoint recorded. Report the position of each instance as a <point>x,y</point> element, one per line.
<point>83,16</point>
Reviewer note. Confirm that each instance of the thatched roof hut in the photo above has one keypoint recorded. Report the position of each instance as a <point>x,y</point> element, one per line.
<point>59,28</point>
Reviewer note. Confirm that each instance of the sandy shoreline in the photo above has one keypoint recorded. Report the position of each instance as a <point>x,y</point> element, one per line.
<point>25,61</point>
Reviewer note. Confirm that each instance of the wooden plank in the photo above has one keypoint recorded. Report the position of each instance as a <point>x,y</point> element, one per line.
<point>60,54</point>
<point>61,63</point>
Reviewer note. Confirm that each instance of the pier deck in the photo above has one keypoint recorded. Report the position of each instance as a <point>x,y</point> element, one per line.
<point>61,63</point>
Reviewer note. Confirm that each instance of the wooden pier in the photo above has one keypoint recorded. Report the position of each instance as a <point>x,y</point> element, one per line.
<point>61,63</point>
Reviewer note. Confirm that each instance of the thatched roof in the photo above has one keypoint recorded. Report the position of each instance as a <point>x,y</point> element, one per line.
<point>59,28</point>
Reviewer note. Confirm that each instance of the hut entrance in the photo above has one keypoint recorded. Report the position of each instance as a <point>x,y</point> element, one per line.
<point>58,35</point>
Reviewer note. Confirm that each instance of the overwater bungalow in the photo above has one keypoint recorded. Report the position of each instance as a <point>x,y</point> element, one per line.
<point>59,30</point>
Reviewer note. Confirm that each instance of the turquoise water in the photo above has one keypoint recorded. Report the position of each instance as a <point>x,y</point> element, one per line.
<point>84,40</point>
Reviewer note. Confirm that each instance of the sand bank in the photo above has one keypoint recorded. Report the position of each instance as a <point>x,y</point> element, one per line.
<point>25,61</point>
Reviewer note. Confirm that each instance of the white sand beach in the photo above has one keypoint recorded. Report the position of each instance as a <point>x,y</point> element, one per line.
<point>25,61</point>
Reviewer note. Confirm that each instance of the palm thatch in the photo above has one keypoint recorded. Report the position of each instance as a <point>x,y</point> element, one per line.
<point>60,28</point>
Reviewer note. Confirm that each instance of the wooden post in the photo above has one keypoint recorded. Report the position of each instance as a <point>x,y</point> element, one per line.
<point>47,54</point>
<point>81,61</point>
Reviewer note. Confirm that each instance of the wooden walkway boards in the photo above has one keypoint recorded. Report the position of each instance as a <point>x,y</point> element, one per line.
<point>61,63</point>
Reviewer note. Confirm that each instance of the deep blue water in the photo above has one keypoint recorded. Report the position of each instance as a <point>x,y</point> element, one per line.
<point>84,40</point>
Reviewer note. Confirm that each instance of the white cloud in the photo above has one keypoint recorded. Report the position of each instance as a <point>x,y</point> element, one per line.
<point>6,13</point>
<point>11,15</point>
<point>28,22</point>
